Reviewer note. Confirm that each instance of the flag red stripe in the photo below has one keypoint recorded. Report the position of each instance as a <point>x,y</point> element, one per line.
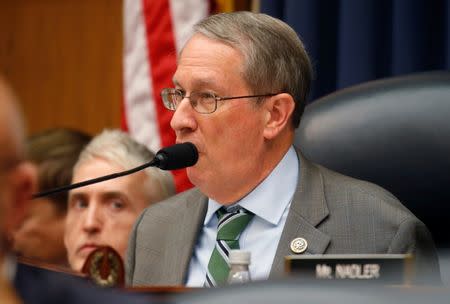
<point>123,110</point>
<point>162,59</point>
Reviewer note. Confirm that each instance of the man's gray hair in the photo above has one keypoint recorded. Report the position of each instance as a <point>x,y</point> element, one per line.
<point>275,60</point>
<point>118,147</point>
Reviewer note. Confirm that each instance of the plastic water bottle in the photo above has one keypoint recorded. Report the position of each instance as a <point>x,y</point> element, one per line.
<point>239,262</point>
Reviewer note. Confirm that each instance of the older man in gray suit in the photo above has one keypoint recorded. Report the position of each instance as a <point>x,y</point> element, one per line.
<point>239,92</point>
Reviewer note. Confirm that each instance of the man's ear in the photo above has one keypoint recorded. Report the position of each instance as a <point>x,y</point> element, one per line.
<point>23,183</point>
<point>279,109</point>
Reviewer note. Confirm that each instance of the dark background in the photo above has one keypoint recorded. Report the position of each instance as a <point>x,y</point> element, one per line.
<point>353,41</point>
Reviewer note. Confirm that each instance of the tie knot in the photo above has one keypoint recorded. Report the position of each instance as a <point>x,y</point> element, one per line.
<point>231,224</point>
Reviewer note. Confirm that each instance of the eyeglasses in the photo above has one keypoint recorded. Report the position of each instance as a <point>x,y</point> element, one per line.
<point>202,102</point>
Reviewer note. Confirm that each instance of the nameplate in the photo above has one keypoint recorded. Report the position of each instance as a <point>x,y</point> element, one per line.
<point>373,268</point>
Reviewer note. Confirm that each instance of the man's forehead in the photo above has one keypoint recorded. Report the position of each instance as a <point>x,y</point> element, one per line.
<point>208,64</point>
<point>201,49</point>
<point>121,186</point>
<point>96,164</point>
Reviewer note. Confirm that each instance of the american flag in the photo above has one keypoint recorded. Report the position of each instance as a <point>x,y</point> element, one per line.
<point>154,33</point>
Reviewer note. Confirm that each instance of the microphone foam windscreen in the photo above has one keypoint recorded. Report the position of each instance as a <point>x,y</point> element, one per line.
<point>177,156</point>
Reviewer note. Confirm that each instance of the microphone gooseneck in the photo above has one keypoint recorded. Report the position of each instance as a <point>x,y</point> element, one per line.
<point>174,157</point>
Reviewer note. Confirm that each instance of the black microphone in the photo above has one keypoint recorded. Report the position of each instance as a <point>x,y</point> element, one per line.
<point>177,156</point>
<point>174,157</point>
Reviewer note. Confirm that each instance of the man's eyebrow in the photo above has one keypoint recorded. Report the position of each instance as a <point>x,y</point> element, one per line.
<point>73,195</point>
<point>198,83</point>
<point>113,194</point>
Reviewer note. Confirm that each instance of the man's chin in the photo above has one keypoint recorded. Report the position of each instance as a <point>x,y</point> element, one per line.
<point>77,264</point>
<point>194,176</point>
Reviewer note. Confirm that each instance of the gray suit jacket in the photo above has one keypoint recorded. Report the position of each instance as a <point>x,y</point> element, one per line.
<point>334,213</point>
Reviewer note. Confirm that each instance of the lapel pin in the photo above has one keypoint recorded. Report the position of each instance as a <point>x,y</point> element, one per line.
<point>299,245</point>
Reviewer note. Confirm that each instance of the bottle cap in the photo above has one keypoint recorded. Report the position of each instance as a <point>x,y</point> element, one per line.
<point>237,256</point>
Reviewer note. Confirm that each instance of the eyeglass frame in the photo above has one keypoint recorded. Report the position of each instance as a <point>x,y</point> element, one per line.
<point>167,91</point>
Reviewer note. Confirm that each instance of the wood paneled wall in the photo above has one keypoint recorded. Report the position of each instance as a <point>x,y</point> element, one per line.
<point>64,60</point>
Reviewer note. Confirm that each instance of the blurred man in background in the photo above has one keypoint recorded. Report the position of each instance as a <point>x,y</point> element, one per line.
<point>40,237</point>
<point>17,183</point>
<point>20,283</point>
<point>103,214</point>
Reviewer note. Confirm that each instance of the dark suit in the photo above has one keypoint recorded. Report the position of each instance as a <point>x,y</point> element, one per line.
<point>36,286</point>
<point>333,212</point>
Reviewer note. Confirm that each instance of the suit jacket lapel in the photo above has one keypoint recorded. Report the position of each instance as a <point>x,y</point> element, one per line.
<point>193,213</point>
<point>308,209</point>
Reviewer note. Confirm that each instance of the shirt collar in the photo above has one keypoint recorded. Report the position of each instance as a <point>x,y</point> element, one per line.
<point>271,197</point>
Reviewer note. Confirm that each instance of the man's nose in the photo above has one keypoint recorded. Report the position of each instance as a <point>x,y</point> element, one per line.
<point>183,117</point>
<point>92,218</point>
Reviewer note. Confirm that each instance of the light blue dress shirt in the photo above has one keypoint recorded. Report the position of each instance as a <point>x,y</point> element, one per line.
<point>270,202</point>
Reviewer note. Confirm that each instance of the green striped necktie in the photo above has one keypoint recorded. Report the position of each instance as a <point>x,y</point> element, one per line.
<point>230,227</point>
